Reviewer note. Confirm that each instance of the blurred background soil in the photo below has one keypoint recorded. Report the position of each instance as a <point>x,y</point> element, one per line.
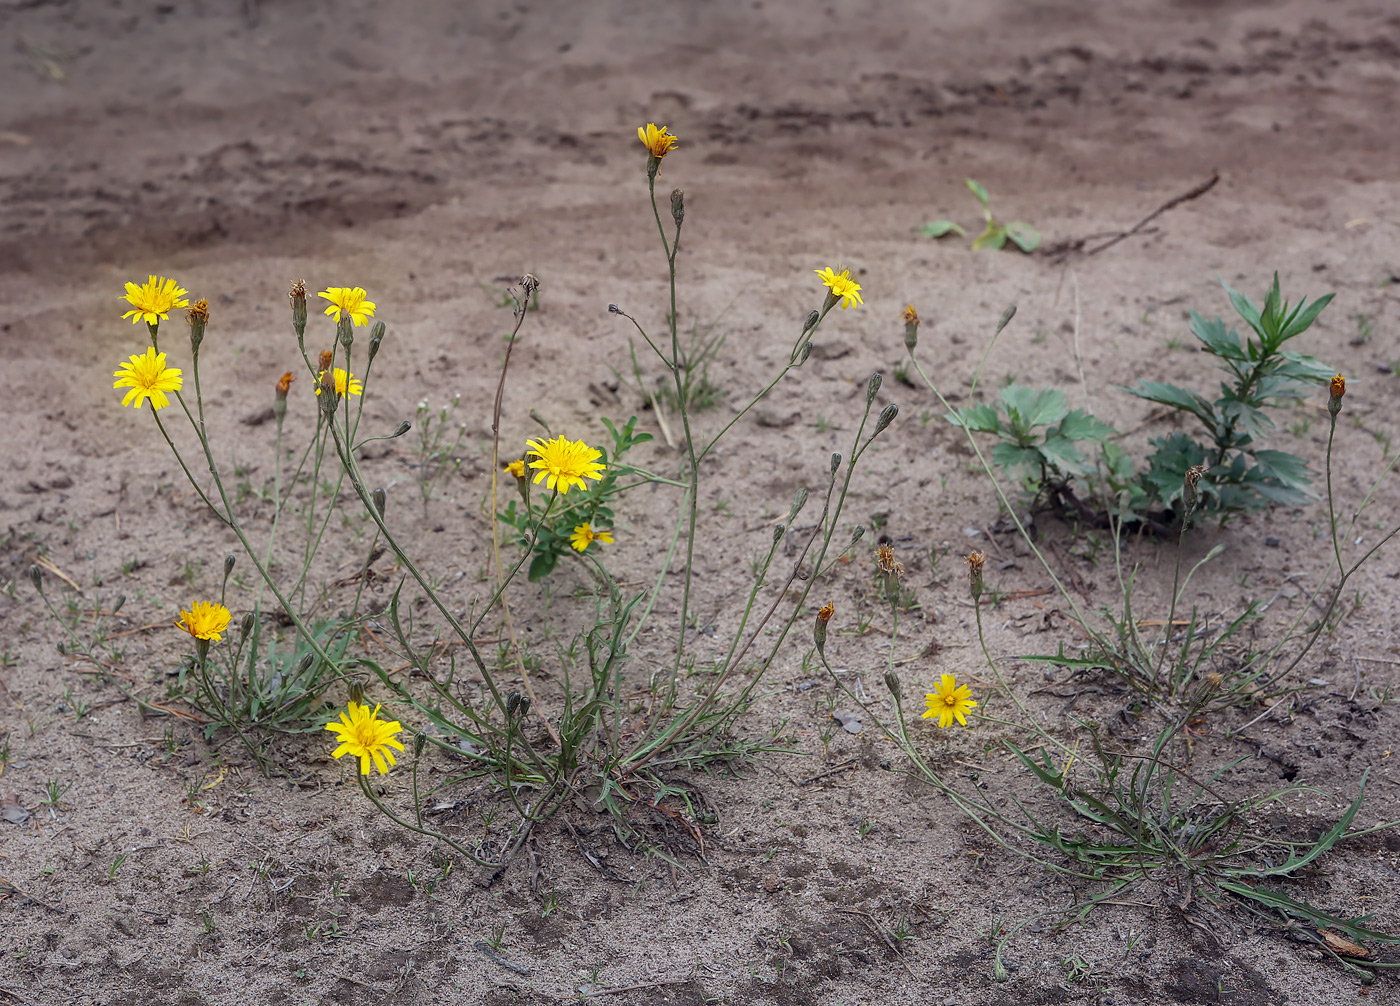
<point>432,152</point>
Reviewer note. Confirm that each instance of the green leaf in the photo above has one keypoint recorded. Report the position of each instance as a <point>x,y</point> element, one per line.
<point>978,191</point>
<point>1062,453</point>
<point>980,418</point>
<point>543,565</point>
<point>1177,398</point>
<point>1220,341</point>
<point>1304,316</point>
<point>1023,235</point>
<point>942,228</point>
<point>993,237</point>
<point>1080,425</point>
<point>1028,407</point>
<point>1329,839</point>
<point>1245,308</point>
<point>1008,455</point>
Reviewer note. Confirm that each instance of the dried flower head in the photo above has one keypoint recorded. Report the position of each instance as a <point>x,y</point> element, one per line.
<point>888,564</point>
<point>584,535</point>
<point>325,362</point>
<point>284,383</point>
<point>297,291</point>
<point>148,378</point>
<point>828,609</point>
<point>658,142</point>
<point>1194,473</point>
<point>911,317</point>
<point>365,736</point>
<point>562,464</point>
<point>199,313</point>
<point>1339,386</point>
<point>153,300</point>
<point>840,287</point>
<point>975,561</point>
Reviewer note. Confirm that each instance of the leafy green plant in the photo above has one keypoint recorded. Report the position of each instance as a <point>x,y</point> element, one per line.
<point>1036,432</point>
<point>1261,374</point>
<point>994,235</point>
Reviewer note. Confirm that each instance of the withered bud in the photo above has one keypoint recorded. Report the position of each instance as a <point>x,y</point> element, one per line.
<point>376,336</point>
<point>812,318</point>
<point>197,317</point>
<point>799,500</point>
<point>975,561</point>
<point>297,293</point>
<point>873,388</point>
<point>327,358</point>
<point>357,692</point>
<point>284,385</point>
<point>886,561</point>
<point>778,531</point>
<point>819,627</point>
<point>614,309</point>
<point>379,497</point>
<point>886,417</point>
<point>911,328</point>
<point>1213,681</point>
<point>893,683</point>
<point>1334,400</point>
<point>678,207</point>
<point>529,285</point>
<point>36,578</point>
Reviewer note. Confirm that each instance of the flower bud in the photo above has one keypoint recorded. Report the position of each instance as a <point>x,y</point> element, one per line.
<point>1005,319</point>
<point>804,352</point>
<point>893,684</point>
<point>298,297</point>
<point>198,317</point>
<point>345,331</point>
<point>835,464</point>
<point>812,318</point>
<point>376,336</point>
<point>36,578</point>
<point>357,691</point>
<point>799,500</point>
<point>873,388</point>
<point>117,605</point>
<point>1334,400</point>
<point>229,562</point>
<point>819,627</point>
<point>304,665</point>
<point>911,328</point>
<point>246,626</point>
<point>404,427</point>
<point>378,497</point>
<point>886,417</point>
<point>857,534</point>
<point>778,531</point>
<point>420,741</point>
<point>678,207</point>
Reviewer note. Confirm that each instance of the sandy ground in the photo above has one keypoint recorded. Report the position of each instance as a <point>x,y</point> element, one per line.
<point>425,151</point>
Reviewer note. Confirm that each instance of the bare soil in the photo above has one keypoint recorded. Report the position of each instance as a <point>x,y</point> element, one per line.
<point>429,152</point>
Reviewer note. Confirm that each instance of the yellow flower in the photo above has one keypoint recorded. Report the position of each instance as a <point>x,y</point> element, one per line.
<point>350,300</point>
<point>517,468</point>
<point>365,736</point>
<point>563,464</point>
<point>1339,386</point>
<point>204,620</point>
<point>148,377</point>
<point>153,300</point>
<point>950,702</point>
<point>584,535</point>
<point>657,141</point>
<point>356,387</point>
<point>842,287</point>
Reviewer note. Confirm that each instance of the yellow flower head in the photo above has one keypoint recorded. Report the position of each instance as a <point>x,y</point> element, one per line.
<point>350,300</point>
<point>657,141</point>
<point>517,468</point>
<point>148,377</point>
<point>584,535</point>
<point>365,736</point>
<point>204,620</point>
<point>562,464</point>
<point>1339,386</point>
<point>950,702</point>
<point>840,286</point>
<point>342,381</point>
<point>153,300</point>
